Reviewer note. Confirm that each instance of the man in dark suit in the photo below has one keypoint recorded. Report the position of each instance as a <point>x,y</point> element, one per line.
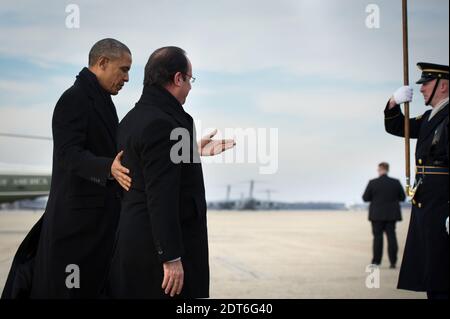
<point>162,243</point>
<point>76,232</point>
<point>384,194</point>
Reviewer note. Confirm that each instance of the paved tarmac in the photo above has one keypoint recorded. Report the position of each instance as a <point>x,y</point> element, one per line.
<point>279,254</point>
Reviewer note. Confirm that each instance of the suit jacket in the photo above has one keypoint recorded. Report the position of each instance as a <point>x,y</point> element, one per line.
<point>163,216</point>
<point>425,263</point>
<point>384,194</point>
<point>82,212</point>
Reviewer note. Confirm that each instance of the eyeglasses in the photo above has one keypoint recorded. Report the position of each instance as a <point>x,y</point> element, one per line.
<point>191,78</point>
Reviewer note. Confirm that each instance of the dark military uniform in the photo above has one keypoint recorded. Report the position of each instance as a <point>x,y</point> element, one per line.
<point>425,265</point>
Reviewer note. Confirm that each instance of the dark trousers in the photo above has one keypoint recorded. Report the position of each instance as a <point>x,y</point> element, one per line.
<point>437,295</point>
<point>378,228</point>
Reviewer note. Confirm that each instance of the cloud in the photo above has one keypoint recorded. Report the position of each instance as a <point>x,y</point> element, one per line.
<point>321,38</point>
<point>308,67</point>
<point>323,104</point>
<point>32,120</point>
<point>19,87</point>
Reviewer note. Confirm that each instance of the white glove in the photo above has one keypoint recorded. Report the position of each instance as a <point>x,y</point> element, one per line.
<point>403,94</point>
<point>446,225</point>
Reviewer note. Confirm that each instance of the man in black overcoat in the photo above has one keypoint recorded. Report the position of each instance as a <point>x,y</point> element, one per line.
<point>67,253</point>
<point>425,264</point>
<point>162,243</point>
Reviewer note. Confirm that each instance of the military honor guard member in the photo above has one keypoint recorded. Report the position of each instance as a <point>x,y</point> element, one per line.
<point>425,265</point>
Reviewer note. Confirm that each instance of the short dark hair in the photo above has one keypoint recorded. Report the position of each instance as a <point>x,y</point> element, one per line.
<point>110,48</point>
<point>163,64</point>
<point>384,166</point>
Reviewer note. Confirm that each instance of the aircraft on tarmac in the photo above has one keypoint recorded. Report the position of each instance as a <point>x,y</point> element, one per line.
<point>251,203</point>
<point>18,182</point>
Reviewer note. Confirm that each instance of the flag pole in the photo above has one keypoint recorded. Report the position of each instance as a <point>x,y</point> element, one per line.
<point>406,82</point>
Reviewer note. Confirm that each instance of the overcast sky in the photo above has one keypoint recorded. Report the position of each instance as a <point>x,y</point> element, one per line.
<point>309,68</point>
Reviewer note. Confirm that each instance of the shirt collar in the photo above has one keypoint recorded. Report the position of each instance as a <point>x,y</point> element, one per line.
<point>437,108</point>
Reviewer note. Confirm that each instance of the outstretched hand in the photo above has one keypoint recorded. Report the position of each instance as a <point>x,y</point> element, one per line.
<point>210,147</point>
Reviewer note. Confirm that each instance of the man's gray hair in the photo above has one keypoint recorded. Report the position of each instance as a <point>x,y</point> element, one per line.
<point>110,48</point>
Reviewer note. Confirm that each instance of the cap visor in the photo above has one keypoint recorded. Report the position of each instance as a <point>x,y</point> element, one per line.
<point>424,80</point>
